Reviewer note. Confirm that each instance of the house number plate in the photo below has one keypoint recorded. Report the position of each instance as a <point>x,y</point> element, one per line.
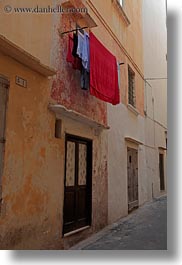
<point>21,82</point>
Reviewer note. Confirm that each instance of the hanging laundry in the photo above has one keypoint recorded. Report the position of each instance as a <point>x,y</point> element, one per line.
<point>86,52</point>
<point>85,79</point>
<point>75,61</point>
<point>75,44</point>
<point>103,72</point>
<point>83,49</point>
<point>83,52</point>
<point>80,44</point>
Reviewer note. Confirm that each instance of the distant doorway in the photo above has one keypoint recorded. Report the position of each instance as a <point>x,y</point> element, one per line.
<point>161,172</point>
<point>132,168</point>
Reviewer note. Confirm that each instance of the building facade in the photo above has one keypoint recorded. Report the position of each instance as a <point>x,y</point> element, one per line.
<point>49,127</point>
<point>126,178</point>
<point>137,159</point>
<point>155,72</point>
<point>69,162</point>
<point>25,128</point>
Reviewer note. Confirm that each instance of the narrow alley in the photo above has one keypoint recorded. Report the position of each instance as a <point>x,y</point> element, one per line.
<point>83,124</point>
<point>143,229</point>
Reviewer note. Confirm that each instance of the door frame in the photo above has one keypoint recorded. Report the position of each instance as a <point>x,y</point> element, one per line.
<point>4,82</point>
<point>162,170</point>
<point>134,147</point>
<point>79,139</point>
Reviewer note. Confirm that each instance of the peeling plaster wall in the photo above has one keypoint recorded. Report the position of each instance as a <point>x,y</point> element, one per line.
<point>66,87</point>
<point>33,177</point>
<point>31,200</point>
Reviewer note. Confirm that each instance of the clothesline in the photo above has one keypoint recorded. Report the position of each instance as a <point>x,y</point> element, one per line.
<point>67,32</point>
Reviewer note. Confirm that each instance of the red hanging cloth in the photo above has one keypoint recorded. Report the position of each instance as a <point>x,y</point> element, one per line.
<point>103,72</point>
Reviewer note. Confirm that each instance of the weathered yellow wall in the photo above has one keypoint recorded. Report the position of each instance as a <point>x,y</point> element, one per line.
<point>32,32</point>
<point>130,37</point>
<point>33,177</point>
<point>32,158</point>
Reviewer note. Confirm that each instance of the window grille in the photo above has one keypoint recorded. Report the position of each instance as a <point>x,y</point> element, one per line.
<point>131,87</point>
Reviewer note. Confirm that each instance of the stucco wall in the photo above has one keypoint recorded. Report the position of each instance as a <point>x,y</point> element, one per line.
<point>130,37</point>
<point>127,46</point>
<point>29,152</point>
<point>33,177</point>
<point>124,124</point>
<point>155,42</point>
<point>32,32</point>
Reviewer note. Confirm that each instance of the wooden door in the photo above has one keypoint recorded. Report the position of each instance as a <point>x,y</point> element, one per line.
<point>78,183</point>
<point>132,166</point>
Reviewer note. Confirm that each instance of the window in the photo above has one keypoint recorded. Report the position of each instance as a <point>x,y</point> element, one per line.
<point>3,102</point>
<point>131,87</point>
<point>120,6</point>
<point>121,2</point>
<point>78,184</point>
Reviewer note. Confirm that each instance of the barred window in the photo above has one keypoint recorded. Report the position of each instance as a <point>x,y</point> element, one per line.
<point>131,87</point>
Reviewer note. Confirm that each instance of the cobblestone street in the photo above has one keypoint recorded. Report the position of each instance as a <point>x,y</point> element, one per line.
<point>143,229</point>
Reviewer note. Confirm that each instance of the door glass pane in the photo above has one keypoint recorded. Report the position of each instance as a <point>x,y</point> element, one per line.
<point>70,164</point>
<point>82,172</point>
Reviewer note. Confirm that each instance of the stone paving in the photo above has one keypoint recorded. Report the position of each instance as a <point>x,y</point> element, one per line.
<point>143,229</point>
